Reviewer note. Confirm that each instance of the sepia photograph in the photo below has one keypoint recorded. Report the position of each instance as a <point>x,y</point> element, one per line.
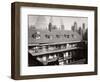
<point>57,40</point>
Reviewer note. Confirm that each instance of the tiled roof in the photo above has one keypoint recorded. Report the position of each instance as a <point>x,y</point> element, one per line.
<point>55,36</point>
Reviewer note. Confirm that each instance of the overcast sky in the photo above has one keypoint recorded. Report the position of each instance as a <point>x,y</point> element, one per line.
<point>42,22</point>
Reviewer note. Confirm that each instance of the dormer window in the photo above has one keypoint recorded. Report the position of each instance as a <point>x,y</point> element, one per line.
<point>47,36</point>
<point>36,35</point>
<point>58,36</point>
<point>73,35</point>
<point>67,36</point>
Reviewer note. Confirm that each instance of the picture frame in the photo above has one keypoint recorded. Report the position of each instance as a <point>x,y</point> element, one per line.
<point>23,16</point>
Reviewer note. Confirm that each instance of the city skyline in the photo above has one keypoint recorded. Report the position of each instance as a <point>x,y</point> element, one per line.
<point>41,22</point>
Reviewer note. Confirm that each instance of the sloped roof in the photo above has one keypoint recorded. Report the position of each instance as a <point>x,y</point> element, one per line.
<point>73,36</point>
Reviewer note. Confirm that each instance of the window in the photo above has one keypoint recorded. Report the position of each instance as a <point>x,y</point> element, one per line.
<point>48,36</point>
<point>58,36</point>
<point>73,35</point>
<point>36,35</point>
<point>67,36</point>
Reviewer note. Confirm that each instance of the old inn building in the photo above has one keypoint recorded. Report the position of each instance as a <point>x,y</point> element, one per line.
<point>54,46</point>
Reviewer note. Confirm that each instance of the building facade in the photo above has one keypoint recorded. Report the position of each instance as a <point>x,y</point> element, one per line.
<point>55,47</point>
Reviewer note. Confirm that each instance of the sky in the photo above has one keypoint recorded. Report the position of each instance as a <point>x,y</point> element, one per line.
<point>41,22</point>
